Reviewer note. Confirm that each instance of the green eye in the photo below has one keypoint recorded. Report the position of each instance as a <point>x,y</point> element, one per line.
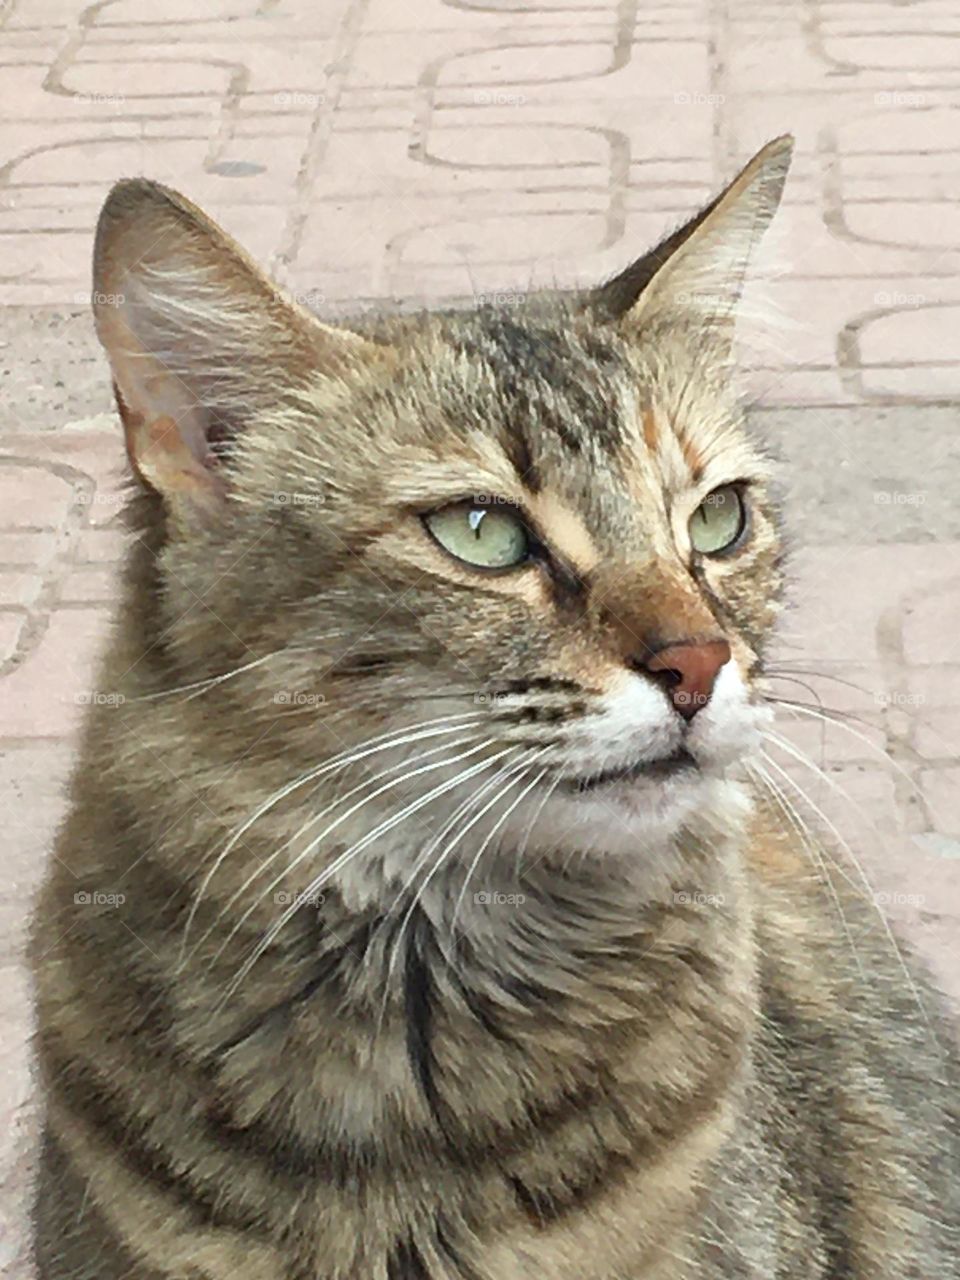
<point>489,537</point>
<point>718,521</point>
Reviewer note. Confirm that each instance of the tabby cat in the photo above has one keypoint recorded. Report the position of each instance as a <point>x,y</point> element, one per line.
<point>417,916</point>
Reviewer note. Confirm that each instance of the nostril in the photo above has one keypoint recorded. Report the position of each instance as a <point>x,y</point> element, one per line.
<point>671,676</point>
<point>688,671</point>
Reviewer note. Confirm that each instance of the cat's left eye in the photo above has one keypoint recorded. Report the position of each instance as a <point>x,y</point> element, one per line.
<point>485,536</point>
<point>719,521</point>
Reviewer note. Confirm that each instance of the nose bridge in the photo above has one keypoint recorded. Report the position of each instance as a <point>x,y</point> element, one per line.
<point>644,608</point>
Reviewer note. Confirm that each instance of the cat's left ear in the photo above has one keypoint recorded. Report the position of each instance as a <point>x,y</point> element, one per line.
<point>201,342</point>
<point>696,274</point>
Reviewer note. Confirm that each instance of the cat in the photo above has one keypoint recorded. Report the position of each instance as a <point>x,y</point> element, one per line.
<point>418,914</point>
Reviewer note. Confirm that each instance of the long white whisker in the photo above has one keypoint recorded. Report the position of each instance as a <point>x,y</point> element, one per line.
<point>459,813</point>
<point>422,860</point>
<point>522,847</point>
<point>200,686</point>
<point>440,725</point>
<point>801,758</point>
<point>830,718</point>
<point>790,811</point>
<point>385,826</point>
<point>342,858</point>
<point>311,822</point>
<point>492,832</point>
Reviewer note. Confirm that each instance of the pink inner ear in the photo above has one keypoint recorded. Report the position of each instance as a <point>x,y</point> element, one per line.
<point>162,457</point>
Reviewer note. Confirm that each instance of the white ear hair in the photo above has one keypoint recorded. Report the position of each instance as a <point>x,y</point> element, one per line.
<point>698,272</point>
<point>197,336</point>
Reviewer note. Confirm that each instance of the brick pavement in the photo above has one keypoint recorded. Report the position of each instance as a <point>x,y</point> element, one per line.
<point>374,150</point>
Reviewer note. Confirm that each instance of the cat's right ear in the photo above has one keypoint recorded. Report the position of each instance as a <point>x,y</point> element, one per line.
<point>696,274</point>
<point>199,340</point>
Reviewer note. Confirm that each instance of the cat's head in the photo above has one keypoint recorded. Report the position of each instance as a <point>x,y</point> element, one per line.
<point>540,532</point>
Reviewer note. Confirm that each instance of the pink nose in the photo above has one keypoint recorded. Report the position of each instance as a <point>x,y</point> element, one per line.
<point>688,672</point>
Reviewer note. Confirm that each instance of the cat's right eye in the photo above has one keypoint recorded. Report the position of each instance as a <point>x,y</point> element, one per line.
<point>484,536</point>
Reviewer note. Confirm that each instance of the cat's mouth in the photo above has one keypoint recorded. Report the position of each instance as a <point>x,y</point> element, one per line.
<point>679,761</point>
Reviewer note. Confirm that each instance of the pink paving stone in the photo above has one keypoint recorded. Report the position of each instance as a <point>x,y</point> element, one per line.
<point>129,14</point>
<point>912,335</point>
<point>184,69</point>
<point>812,387</point>
<point>824,743</point>
<point>843,592</point>
<point>750,60</point>
<point>935,686</point>
<point>932,622</point>
<point>923,51</point>
<point>100,160</point>
<point>32,496</point>
<point>447,232</point>
<point>517,65</point>
<point>11,625</point>
<point>101,546</point>
<point>900,222</point>
<point>295,18</point>
<point>45,695</point>
<point>90,585</point>
<point>914,384</point>
<point>400,17</point>
<point>938,734</point>
<point>523,240</point>
<point>942,789</point>
<point>480,157</point>
<point>936,940</point>
<point>18,588</point>
<point>28,549</point>
<point>126,81</point>
<point>840,686</point>
<point>51,260</point>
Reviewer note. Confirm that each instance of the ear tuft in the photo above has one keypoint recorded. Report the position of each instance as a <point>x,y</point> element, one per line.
<point>197,336</point>
<point>697,273</point>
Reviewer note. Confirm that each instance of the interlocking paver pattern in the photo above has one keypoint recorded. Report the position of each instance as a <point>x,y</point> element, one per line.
<point>377,151</point>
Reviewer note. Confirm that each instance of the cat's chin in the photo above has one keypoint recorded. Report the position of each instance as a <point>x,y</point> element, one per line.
<point>649,810</point>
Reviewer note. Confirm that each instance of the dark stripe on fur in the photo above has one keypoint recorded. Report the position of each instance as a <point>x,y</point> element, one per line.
<point>418,1010</point>
<point>460,1267</point>
<point>332,963</point>
<point>815,1118</point>
<point>72,1238</point>
<point>88,1098</point>
<point>406,1263</point>
<point>575,1190</point>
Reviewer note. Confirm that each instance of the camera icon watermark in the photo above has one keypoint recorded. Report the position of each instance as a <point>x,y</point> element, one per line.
<point>97,898</point>
<point>303,899</point>
<point>899,98</point>
<point>500,298</point>
<point>97,698</point>
<point>99,299</point>
<point>298,698</point>
<point>898,498</point>
<point>896,899</point>
<point>899,699</point>
<point>296,98</point>
<point>894,298</point>
<point>688,98</point>
<point>286,498</point>
<point>498,98</point>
